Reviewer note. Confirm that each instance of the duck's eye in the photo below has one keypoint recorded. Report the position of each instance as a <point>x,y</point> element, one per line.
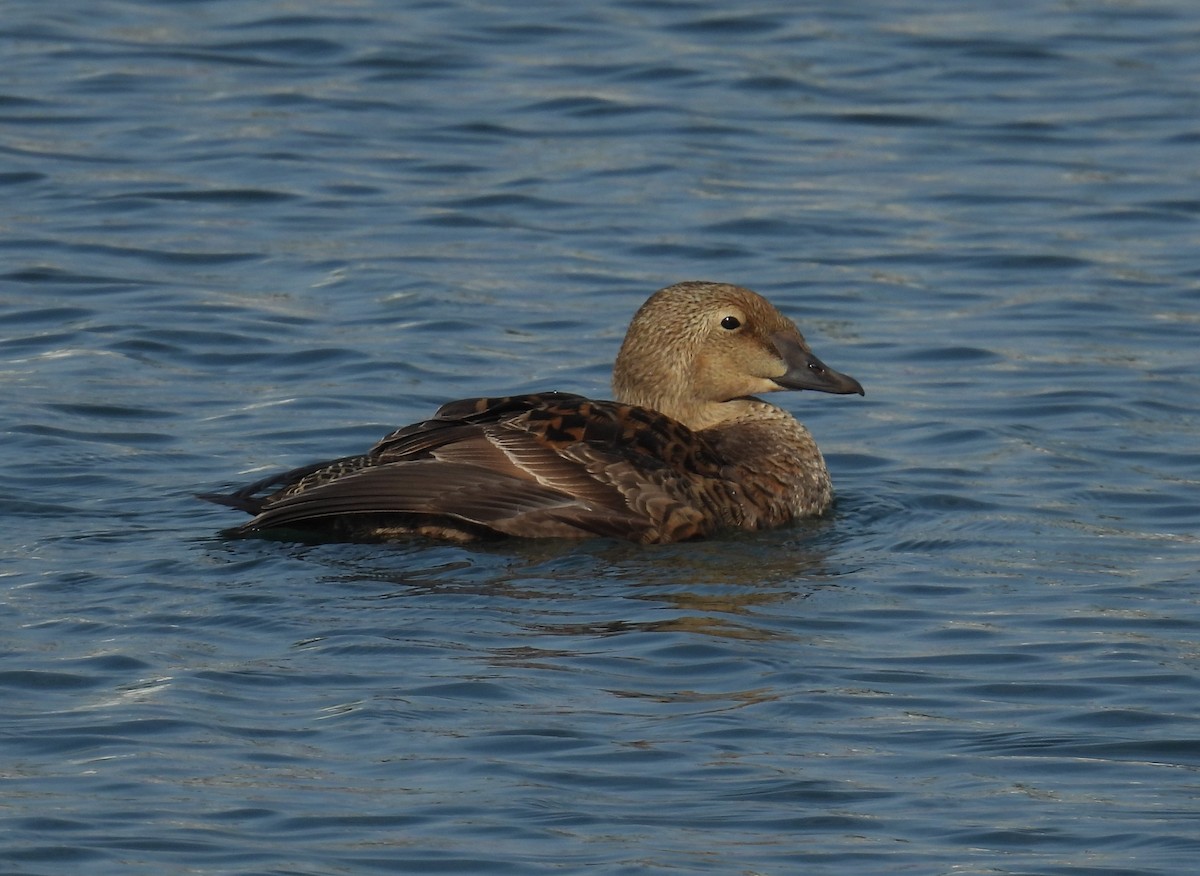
<point>731,323</point>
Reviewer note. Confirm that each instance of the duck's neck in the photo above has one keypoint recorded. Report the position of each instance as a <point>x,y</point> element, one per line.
<point>700,416</point>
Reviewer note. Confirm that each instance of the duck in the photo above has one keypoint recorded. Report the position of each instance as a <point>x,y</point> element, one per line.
<point>686,450</point>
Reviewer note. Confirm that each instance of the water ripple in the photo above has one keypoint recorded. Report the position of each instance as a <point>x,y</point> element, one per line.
<point>242,239</point>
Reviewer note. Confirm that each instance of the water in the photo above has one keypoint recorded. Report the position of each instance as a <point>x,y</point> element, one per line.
<point>241,237</point>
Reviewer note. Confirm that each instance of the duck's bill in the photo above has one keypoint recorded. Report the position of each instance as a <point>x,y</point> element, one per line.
<point>806,371</point>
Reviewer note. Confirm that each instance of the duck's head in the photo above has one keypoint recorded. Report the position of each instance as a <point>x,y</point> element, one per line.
<point>694,348</point>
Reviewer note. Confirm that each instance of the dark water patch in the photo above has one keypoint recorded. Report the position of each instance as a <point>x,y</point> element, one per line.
<point>708,129</point>
<point>1026,692</point>
<point>1028,262</point>
<point>653,73</point>
<point>775,84</point>
<point>991,48</point>
<point>414,63</point>
<point>354,190</point>
<point>857,461</point>
<point>29,508</point>
<point>317,356</point>
<point>1169,751</point>
<point>43,680</point>
<point>189,338</point>
<point>1039,134</point>
<point>1185,138</point>
<point>950,354</point>
<point>724,25</point>
<point>49,274</point>
<point>143,348</point>
<point>452,168</point>
<point>336,825</point>
<point>171,257</point>
<point>1136,215</point>
<point>459,220</point>
<point>215,57</point>
<point>290,48</point>
<point>989,198</point>
<point>53,315</point>
<point>1048,409</point>
<point>14,100</point>
<point>885,119</point>
<point>60,118</point>
<point>950,502</point>
<point>216,196</point>
<point>504,200</point>
<point>127,439</point>
<point>812,792</point>
<point>753,227</point>
<point>550,325</point>
<point>586,106</point>
<point>49,824</point>
<point>111,412</point>
<point>20,177</point>
<point>1116,719</point>
<point>689,252</point>
<point>117,84</point>
<point>56,854</point>
<point>960,659</point>
<point>300,21</point>
<point>520,33</point>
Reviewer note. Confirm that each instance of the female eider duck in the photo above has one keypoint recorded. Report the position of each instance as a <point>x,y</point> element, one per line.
<point>685,451</point>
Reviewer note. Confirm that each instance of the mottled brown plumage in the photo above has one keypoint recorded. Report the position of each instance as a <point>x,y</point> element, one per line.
<point>685,452</point>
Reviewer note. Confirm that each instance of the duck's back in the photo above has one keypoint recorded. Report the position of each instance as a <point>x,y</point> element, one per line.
<point>541,465</point>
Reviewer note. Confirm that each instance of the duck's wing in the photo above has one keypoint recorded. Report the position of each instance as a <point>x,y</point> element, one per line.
<point>548,464</point>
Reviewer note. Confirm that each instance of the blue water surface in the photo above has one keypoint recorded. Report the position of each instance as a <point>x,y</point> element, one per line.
<point>237,237</point>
